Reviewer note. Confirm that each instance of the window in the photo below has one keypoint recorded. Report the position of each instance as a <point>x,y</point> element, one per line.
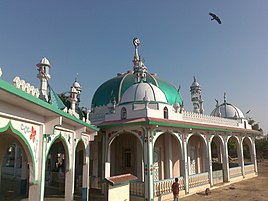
<point>123,113</point>
<point>165,113</point>
<point>127,158</point>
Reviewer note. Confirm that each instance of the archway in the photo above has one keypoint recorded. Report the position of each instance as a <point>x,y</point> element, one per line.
<point>247,151</point>
<point>56,166</point>
<point>217,153</point>
<point>167,157</point>
<point>217,159</point>
<point>197,156</point>
<point>15,166</point>
<point>80,160</point>
<point>126,155</point>
<point>233,149</point>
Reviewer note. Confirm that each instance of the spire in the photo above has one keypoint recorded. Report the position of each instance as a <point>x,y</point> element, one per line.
<point>140,70</point>
<point>196,96</point>
<point>224,97</point>
<point>136,43</point>
<point>43,75</point>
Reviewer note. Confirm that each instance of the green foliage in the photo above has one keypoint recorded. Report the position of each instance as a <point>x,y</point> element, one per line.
<point>262,148</point>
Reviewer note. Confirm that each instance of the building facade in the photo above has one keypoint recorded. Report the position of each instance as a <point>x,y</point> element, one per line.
<point>145,131</point>
<point>137,124</point>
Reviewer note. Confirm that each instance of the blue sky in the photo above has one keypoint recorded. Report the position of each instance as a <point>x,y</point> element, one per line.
<point>178,41</point>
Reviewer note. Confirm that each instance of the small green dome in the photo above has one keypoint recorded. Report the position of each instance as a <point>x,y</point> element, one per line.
<point>115,88</point>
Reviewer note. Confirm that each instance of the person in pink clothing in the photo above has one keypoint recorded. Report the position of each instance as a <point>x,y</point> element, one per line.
<point>175,189</point>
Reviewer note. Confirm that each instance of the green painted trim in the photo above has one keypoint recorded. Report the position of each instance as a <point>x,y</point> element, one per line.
<point>18,92</point>
<point>59,136</point>
<point>15,131</point>
<point>177,126</point>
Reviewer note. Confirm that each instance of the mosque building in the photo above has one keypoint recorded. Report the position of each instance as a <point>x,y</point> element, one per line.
<point>137,124</point>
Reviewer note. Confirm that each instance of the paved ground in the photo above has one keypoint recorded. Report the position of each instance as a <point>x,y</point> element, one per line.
<point>254,189</point>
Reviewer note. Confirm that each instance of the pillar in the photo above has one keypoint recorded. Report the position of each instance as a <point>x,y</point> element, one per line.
<point>149,169</point>
<point>254,156</point>
<point>168,157</point>
<point>43,168</point>
<point>85,182</point>
<point>70,173</point>
<point>226,173</point>
<point>210,171</point>
<point>241,157</point>
<point>186,165</point>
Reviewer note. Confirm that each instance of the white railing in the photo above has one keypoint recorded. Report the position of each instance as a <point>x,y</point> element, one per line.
<point>137,188</point>
<point>195,117</point>
<point>164,186</point>
<point>235,172</point>
<point>249,168</point>
<point>198,179</point>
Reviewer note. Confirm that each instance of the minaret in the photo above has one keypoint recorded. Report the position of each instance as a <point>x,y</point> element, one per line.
<point>43,75</point>
<point>197,100</point>
<point>140,70</point>
<point>73,98</point>
<point>75,92</point>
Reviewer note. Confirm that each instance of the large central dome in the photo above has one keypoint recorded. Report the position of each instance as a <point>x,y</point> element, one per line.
<point>113,89</point>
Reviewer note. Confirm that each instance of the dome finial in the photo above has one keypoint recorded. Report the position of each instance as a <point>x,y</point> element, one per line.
<point>224,97</point>
<point>136,43</point>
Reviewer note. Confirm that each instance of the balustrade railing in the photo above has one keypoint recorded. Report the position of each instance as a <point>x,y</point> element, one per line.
<point>198,179</point>
<point>164,186</point>
<point>235,172</point>
<point>195,117</point>
<point>137,188</point>
<point>249,168</point>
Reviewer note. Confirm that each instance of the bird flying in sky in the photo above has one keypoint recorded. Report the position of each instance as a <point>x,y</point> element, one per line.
<point>215,17</point>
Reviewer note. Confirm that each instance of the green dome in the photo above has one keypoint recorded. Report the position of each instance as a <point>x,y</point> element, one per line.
<point>115,88</point>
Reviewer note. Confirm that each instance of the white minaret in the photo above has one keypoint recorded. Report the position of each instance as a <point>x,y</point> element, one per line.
<point>73,98</point>
<point>43,75</point>
<point>197,100</point>
<point>75,92</point>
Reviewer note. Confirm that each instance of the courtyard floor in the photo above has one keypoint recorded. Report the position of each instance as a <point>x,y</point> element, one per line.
<point>254,189</point>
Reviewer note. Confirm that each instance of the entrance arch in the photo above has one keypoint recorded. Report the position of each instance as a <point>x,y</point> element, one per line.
<point>167,157</point>
<point>197,156</point>
<point>217,159</point>
<point>16,164</point>
<point>233,150</point>
<point>247,151</point>
<point>126,155</point>
<point>57,164</point>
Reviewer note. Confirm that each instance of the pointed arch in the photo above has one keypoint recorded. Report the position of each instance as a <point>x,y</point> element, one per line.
<point>27,149</point>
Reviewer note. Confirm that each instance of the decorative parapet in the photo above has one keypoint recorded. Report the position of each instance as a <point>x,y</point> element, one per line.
<point>97,117</point>
<point>24,86</point>
<point>201,118</point>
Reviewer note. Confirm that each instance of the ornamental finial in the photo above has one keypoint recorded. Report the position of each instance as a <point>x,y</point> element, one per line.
<point>136,43</point>
<point>224,96</point>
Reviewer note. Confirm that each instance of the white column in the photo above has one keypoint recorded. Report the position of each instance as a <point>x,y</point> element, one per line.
<point>241,157</point>
<point>85,182</point>
<point>43,169</point>
<point>186,165</point>
<point>70,173</point>
<point>168,156</point>
<point>254,156</point>
<point>209,161</point>
<point>149,170</point>
<point>226,173</point>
